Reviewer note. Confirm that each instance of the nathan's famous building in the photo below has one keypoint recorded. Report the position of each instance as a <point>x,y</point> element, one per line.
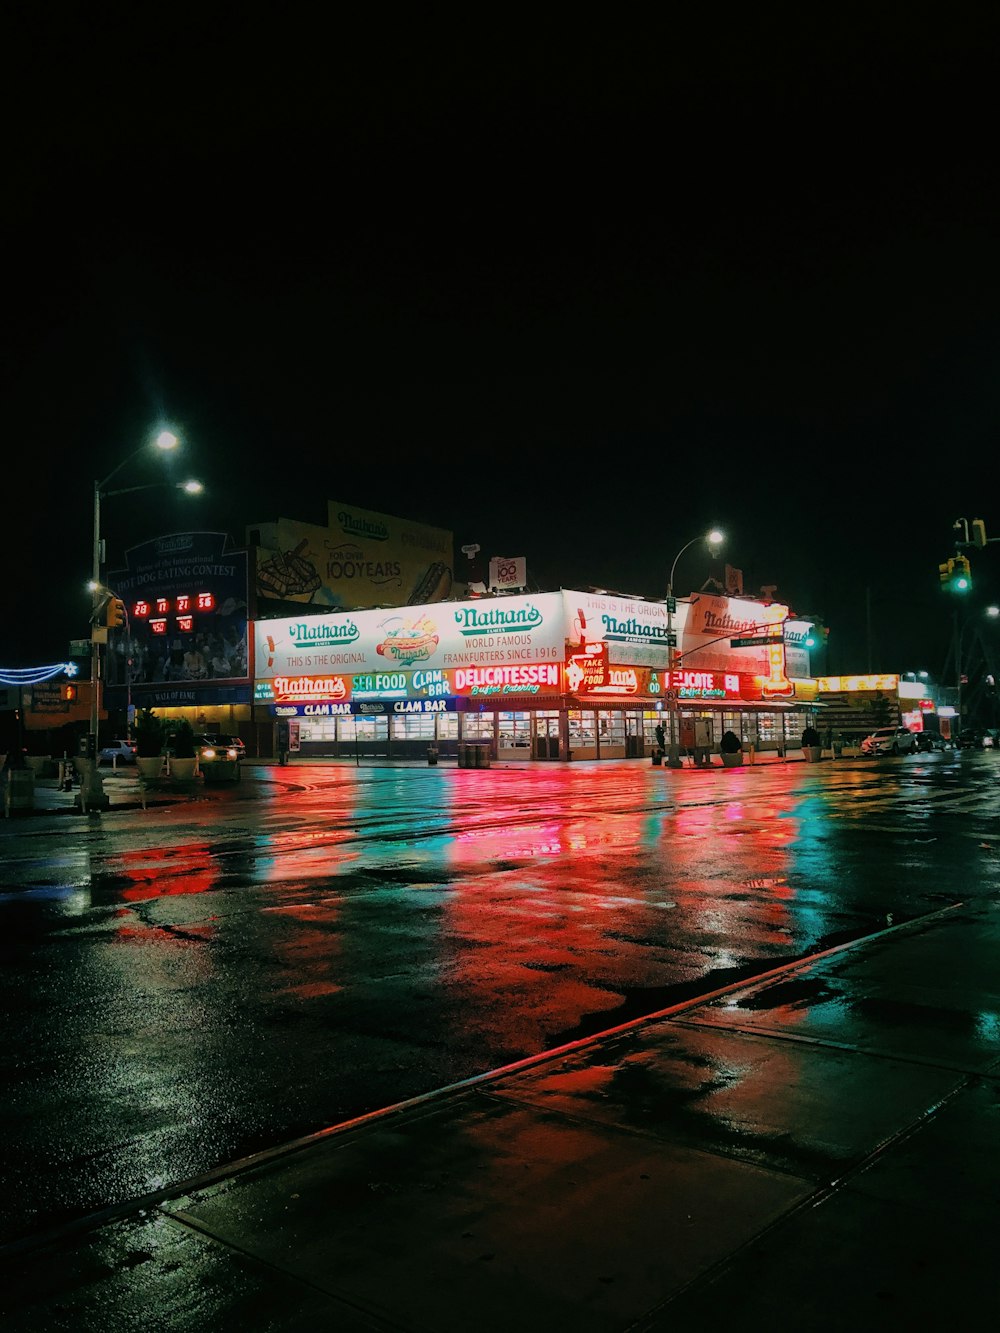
<point>546,676</point>
<point>354,638</point>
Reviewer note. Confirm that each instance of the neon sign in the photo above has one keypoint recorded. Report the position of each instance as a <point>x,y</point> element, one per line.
<point>852,684</point>
<point>182,605</point>
<point>539,678</point>
<point>705,684</point>
<point>588,670</point>
<point>310,687</point>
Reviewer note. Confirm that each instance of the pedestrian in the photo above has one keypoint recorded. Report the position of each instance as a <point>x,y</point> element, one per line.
<point>661,738</point>
<point>688,738</point>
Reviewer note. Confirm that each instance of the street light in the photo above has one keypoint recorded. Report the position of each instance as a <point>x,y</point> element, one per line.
<point>714,539</point>
<point>92,788</point>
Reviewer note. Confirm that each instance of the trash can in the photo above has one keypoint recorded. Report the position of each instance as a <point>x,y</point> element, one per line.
<point>657,757</point>
<point>483,754</point>
<point>432,754</point>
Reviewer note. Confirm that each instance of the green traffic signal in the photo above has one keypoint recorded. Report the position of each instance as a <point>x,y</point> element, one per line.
<point>961,579</point>
<point>816,636</point>
<point>955,574</point>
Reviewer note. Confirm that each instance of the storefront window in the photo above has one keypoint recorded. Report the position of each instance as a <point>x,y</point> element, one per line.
<point>514,731</point>
<point>582,730</point>
<point>769,727</point>
<point>477,726</point>
<point>316,730</point>
<point>612,728</point>
<point>414,727</point>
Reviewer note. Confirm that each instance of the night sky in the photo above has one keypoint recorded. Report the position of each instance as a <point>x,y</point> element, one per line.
<point>572,293</point>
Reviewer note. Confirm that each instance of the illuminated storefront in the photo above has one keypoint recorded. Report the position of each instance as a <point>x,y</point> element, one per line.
<point>554,676</point>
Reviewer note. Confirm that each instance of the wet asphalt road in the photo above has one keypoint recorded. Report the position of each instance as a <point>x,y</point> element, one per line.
<point>188,984</point>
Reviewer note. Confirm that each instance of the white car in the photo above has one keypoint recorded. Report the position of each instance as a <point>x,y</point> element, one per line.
<point>117,752</point>
<point>890,740</point>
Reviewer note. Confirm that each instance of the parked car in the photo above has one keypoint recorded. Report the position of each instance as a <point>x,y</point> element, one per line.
<point>217,761</point>
<point>930,740</point>
<point>117,752</point>
<point>890,740</point>
<point>974,738</point>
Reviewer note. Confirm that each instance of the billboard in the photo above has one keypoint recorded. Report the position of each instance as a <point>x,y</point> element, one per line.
<point>502,632</point>
<point>360,559</point>
<point>185,636</point>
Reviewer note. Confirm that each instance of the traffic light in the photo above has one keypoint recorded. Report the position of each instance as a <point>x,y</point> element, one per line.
<point>817,636</point>
<point>70,693</point>
<point>945,573</point>
<point>116,613</point>
<point>961,578</point>
<point>979,532</point>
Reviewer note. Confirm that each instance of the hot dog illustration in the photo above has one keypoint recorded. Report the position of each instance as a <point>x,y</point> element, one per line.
<point>432,586</point>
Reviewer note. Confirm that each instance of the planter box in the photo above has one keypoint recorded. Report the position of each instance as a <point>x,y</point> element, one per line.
<point>732,760</point>
<point>18,789</point>
<point>150,766</point>
<point>183,770</point>
<point>813,753</point>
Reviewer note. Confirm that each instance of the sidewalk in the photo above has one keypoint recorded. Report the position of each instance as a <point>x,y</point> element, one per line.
<point>816,1150</point>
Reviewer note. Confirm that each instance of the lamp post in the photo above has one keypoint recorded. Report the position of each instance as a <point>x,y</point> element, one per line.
<point>92,787</point>
<point>713,538</point>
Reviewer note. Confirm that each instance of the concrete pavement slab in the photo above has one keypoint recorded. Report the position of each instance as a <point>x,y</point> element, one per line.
<point>487,1215</point>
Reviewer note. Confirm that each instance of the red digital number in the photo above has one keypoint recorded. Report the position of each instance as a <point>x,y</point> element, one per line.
<point>158,626</point>
<point>186,623</point>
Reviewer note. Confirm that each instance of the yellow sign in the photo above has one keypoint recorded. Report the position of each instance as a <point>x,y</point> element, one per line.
<point>853,684</point>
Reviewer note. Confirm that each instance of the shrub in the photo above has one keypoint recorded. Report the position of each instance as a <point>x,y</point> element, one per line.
<point>182,739</point>
<point>730,743</point>
<point>810,737</point>
<point>148,734</point>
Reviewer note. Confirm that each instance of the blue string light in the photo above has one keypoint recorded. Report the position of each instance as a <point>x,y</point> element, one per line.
<point>36,675</point>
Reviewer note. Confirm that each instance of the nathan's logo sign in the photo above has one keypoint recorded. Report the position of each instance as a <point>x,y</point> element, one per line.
<point>633,631</point>
<point>716,623</point>
<point>542,678</point>
<point>362,527</point>
<point>309,687</point>
<point>497,620</point>
<point>412,641</point>
<point>335,634</point>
